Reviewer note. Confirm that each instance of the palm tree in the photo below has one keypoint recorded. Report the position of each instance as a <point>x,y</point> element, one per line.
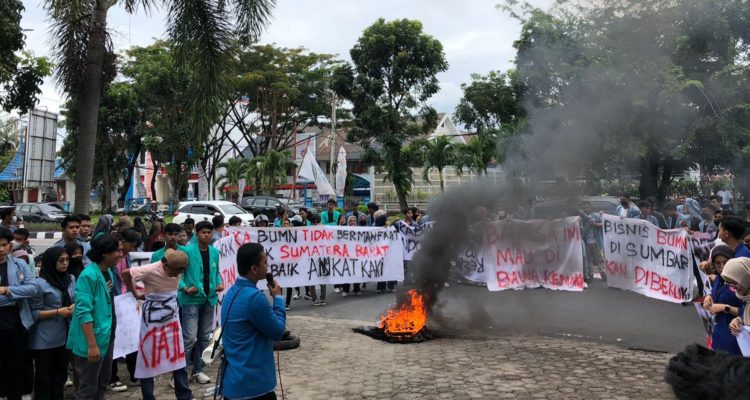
<point>202,32</point>
<point>234,170</point>
<point>438,153</point>
<point>270,169</point>
<point>8,135</point>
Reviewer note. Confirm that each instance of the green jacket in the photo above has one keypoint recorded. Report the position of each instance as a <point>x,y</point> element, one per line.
<point>324,217</point>
<point>159,254</point>
<point>93,304</point>
<point>193,277</point>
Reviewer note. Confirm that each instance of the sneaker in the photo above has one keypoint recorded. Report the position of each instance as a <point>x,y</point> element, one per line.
<point>308,297</point>
<point>344,294</point>
<point>296,296</point>
<point>316,302</point>
<point>597,275</point>
<point>585,285</point>
<point>68,383</point>
<point>322,302</point>
<point>337,290</point>
<point>201,378</point>
<point>287,308</point>
<point>171,382</point>
<point>117,387</point>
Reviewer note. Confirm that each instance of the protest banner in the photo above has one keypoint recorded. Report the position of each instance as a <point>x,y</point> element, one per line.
<point>642,258</point>
<point>411,237</point>
<point>470,264</point>
<point>128,315</point>
<point>160,348</point>
<point>743,339</point>
<point>707,319</point>
<point>531,254</point>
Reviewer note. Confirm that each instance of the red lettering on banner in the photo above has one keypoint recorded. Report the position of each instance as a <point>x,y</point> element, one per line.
<point>370,251</point>
<point>659,284</point>
<point>616,269</point>
<point>316,235</point>
<point>513,278</point>
<point>294,252</point>
<point>561,280</point>
<point>514,256</point>
<point>245,238</point>
<point>670,239</point>
<point>159,337</point>
<point>492,236</point>
<point>572,234</point>
<point>229,276</point>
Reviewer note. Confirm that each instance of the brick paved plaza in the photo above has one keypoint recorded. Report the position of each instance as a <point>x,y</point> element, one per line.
<point>336,363</point>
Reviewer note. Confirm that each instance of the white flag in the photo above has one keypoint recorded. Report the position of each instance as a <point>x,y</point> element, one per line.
<point>311,171</point>
<point>241,183</point>
<point>341,172</point>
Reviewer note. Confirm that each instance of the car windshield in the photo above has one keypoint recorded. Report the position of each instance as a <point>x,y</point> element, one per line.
<point>49,209</point>
<point>231,209</point>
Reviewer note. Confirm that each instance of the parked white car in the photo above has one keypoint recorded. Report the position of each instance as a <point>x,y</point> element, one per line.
<point>207,210</point>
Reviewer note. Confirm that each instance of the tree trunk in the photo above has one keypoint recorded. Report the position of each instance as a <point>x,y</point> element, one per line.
<point>107,188</point>
<point>401,194</point>
<point>157,166</point>
<point>666,180</point>
<point>649,169</point>
<point>131,169</point>
<point>89,108</point>
<point>442,184</point>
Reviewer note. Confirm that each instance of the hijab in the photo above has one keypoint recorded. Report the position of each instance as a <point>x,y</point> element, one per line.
<point>49,272</point>
<point>738,270</point>
<point>76,263</point>
<point>103,227</point>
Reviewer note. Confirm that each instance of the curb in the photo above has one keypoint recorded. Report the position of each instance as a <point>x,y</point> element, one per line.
<point>45,235</point>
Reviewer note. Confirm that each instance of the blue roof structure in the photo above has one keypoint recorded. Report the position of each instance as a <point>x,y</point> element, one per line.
<point>59,170</point>
<point>14,170</point>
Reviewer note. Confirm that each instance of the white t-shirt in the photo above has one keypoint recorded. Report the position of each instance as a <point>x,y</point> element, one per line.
<point>726,196</point>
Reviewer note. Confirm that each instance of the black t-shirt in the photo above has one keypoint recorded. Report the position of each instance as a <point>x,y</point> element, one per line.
<point>206,271</point>
<point>10,317</point>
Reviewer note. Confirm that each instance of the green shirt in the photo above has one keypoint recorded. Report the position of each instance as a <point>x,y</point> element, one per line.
<point>193,277</point>
<point>93,304</point>
<point>159,254</point>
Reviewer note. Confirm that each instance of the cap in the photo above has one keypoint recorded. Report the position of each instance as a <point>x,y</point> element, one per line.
<point>260,218</point>
<point>296,218</point>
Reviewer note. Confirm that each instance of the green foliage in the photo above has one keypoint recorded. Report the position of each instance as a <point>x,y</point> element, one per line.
<point>20,76</point>
<point>234,170</point>
<point>686,187</point>
<point>490,101</point>
<point>270,170</point>
<point>394,73</point>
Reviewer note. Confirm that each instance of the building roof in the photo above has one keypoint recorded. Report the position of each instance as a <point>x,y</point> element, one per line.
<point>13,171</point>
<point>353,151</point>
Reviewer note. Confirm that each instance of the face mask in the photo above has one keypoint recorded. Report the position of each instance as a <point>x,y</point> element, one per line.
<point>75,262</point>
<point>15,218</point>
<point>15,245</point>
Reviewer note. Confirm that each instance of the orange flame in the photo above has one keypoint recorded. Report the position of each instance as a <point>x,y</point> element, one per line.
<point>408,319</point>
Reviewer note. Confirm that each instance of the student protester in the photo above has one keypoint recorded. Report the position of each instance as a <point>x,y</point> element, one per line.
<point>337,288</point>
<point>71,226</point>
<point>235,221</point>
<point>92,329</point>
<point>84,233</point>
<point>161,280</point>
<point>103,227</point>
<point>708,224</point>
<point>627,209</point>
<point>218,224</point>
<point>305,215</point>
<point>261,221</point>
<point>381,218</point>
<point>331,215</point>
<point>731,232</point>
<point>182,238</point>
<point>171,235</point>
<point>351,221</point>
<point>155,240</point>
<point>17,289</point>
<point>198,296</point>
<point>140,227</point>
<point>52,308</point>
<point>662,221</point>
<point>723,304</point>
<point>645,208</point>
<point>22,248</point>
<point>250,327</point>
<point>737,275</point>
<point>675,219</point>
<point>189,226</point>
<point>130,239</point>
<point>75,258</point>
<point>372,208</point>
<point>591,232</point>
<point>8,218</point>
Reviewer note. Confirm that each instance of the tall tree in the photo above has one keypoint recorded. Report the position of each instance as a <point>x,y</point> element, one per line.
<point>202,32</point>
<point>270,170</point>
<point>20,75</point>
<point>394,74</point>
<point>437,153</point>
<point>235,169</point>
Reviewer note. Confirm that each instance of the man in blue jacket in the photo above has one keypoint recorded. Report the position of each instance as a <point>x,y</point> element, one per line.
<point>250,328</point>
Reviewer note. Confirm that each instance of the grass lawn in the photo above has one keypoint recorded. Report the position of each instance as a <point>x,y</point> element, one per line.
<point>54,227</point>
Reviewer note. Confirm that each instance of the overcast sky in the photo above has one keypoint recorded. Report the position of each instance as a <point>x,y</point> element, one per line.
<point>477,38</point>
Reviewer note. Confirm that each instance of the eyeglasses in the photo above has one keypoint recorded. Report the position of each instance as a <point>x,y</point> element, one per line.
<point>63,260</point>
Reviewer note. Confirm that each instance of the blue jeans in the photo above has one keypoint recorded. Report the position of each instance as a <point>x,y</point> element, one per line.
<point>197,326</point>
<point>181,386</point>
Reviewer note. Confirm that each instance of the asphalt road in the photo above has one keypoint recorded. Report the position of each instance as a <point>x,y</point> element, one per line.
<point>598,314</point>
<point>40,245</point>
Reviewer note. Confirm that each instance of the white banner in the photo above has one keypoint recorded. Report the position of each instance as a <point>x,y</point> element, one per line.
<point>411,237</point>
<point>531,254</point>
<point>161,349</point>
<point>341,172</point>
<point>128,314</point>
<point>645,259</point>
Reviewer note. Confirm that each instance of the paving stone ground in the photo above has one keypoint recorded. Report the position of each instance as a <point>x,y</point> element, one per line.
<point>333,362</point>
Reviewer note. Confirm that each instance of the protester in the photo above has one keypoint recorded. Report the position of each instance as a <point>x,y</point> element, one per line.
<point>130,240</point>
<point>280,216</point>
<point>52,308</point>
<point>726,198</point>
<point>182,238</point>
<point>737,275</point>
<point>171,235</point>
<point>331,215</point>
<point>198,297</point>
<point>731,232</point>
<point>261,221</point>
<point>362,220</point>
<point>189,226</point>
<point>75,258</point>
<point>19,222</point>
<point>351,221</point>
<point>662,221</point>
<point>155,239</point>
<point>715,201</point>
<point>218,224</point>
<point>17,289</point>
<point>591,231</point>
<point>22,248</point>
<point>161,280</point>
<point>372,208</point>
<point>645,208</point>
<point>103,227</point>
<point>92,329</point>
<point>675,219</point>
<point>708,225</point>
<point>140,227</point>
<point>123,222</point>
<point>723,304</point>
<point>8,218</point>
<point>84,233</point>
<point>235,221</point>
<point>627,209</point>
<point>304,214</point>
<point>71,226</point>
<point>381,219</point>
<point>250,327</point>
